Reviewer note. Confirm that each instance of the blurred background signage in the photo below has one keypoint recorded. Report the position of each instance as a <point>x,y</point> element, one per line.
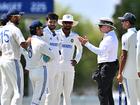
<point>28,6</point>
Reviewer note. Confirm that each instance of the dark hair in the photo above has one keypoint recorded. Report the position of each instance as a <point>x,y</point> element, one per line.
<point>132,22</point>
<point>51,16</point>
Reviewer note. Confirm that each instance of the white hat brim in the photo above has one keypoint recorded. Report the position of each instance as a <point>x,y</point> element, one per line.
<point>74,22</point>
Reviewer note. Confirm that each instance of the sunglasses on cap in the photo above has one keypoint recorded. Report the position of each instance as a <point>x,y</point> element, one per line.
<point>39,27</point>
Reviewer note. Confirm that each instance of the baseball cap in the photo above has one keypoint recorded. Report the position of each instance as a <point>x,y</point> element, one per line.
<point>128,17</point>
<point>14,12</point>
<point>36,23</point>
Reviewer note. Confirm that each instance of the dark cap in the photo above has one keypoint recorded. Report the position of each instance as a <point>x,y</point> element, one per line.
<point>36,23</point>
<point>128,17</point>
<point>14,12</point>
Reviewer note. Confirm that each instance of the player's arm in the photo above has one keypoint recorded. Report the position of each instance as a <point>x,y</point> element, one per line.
<point>79,50</point>
<point>138,53</point>
<point>26,43</point>
<point>123,59</point>
<point>47,51</point>
<point>97,50</point>
<point>18,36</point>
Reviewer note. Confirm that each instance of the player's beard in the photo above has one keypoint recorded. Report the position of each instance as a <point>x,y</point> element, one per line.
<point>52,27</point>
<point>16,22</point>
<point>41,34</point>
<point>67,28</point>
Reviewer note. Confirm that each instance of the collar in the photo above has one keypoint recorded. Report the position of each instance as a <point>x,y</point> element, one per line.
<point>35,36</point>
<point>110,33</point>
<point>52,33</point>
<point>10,23</point>
<point>132,29</point>
<point>64,34</point>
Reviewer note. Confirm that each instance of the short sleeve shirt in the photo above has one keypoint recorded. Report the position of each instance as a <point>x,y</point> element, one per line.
<point>11,40</point>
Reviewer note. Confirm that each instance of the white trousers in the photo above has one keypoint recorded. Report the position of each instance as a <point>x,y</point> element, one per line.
<point>132,90</point>
<point>52,84</point>
<point>66,82</point>
<point>38,79</point>
<point>12,82</point>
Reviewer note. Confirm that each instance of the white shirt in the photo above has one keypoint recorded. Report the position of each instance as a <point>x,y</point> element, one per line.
<point>1,36</point>
<point>36,51</point>
<point>129,40</point>
<point>108,48</point>
<point>138,52</point>
<point>53,41</point>
<point>10,41</point>
<point>68,45</point>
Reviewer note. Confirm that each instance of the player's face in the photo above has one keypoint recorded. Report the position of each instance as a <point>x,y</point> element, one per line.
<point>39,31</point>
<point>16,19</point>
<point>67,25</point>
<point>125,24</point>
<point>52,24</point>
<point>104,28</point>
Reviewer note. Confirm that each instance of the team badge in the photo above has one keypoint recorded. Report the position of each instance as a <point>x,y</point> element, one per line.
<point>72,40</point>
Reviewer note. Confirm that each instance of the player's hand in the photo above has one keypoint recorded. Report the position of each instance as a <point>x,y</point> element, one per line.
<point>28,41</point>
<point>139,74</point>
<point>73,62</point>
<point>83,39</point>
<point>119,78</point>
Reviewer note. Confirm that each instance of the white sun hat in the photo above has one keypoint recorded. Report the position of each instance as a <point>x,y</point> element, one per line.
<point>67,18</point>
<point>106,21</point>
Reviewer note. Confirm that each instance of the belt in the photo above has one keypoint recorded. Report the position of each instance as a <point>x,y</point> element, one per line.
<point>114,62</point>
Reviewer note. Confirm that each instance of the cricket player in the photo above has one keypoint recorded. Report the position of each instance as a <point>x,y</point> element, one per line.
<point>69,41</point>
<point>11,68</point>
<point>127,70</point>
<point>52,38</point>
<point>3,21</point>
<point>37,69</point>
<point>138,60</point>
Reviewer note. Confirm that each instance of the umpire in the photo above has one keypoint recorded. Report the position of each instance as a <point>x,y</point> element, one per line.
<point>107,60</point>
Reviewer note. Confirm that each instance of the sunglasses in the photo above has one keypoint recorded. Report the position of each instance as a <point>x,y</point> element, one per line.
<point>67,22</point>
<point>100,26</point>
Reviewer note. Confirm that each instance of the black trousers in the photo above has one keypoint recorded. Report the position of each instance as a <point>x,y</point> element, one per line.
<point>104,77</point>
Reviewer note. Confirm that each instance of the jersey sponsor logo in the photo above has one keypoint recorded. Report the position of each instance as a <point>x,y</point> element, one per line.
<point>54,44</point>
<point>66,46</point>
